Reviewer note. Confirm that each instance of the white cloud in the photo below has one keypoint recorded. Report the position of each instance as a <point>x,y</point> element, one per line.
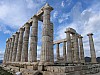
<point>62,4</point>
<point>14,14</point>
<point>87,21</point>
<point>55,14</point>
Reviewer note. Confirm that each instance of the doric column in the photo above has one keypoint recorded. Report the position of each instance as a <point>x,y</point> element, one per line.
<point>5,54</point>
<point>33,40</point>
<point>82,59</point>
<point>92,49</point>
<point>24,56</point>
<point>20,43</point>
<point>57,51</point>
<point>15,47</point>
<point>45,58</point>
<point>10,52</point>
<point>76,48</point>
<point>51,53</point>
<point>69,51</point>
<point>64,51</point>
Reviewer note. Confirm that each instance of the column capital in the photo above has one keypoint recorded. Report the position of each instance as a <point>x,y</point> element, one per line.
<point>80,36</point>
<point>21,29</point>
<point>47,7</point>
<point>26,25</point>
<point>16,33</point>
<point>35,16</point>
<point>89,34</point>
<point>7,40</point>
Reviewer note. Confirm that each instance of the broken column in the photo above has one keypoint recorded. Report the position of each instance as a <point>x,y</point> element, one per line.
<point>24,54</point>
<point>92,49</point>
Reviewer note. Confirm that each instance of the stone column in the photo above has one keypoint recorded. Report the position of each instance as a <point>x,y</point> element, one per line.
<point>64,51</point>
<point>69,51</point>
<point>45,59</point>
<point>20,43</point>
<point>51,53</point>
<point>76,48</point>
<point>92,49</point>
<point>82,59</point>
<point>57,51</point>
<point>15,47</point>
<point>5,54</point>
<point>10,52</point>
<point>24,56</point>
<point>33,40</point>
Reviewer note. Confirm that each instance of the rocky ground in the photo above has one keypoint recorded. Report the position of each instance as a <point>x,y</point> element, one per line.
<point>4,72</point>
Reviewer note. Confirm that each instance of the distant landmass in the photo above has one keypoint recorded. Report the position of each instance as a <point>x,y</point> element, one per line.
<point>1,61</point>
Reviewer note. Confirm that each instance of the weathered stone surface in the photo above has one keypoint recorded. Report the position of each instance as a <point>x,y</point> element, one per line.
<point>92,49</point>
<point>24,56</point>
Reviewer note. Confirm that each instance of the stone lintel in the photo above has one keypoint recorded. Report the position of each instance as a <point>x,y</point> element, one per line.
<point>80,36</point>
<point>60,41</point>
<point>71,30</point>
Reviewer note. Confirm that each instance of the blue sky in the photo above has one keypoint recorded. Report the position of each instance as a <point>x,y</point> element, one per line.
<point>82,15</point>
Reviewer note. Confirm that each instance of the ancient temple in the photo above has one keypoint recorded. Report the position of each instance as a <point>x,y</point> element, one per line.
<point>16,57</point>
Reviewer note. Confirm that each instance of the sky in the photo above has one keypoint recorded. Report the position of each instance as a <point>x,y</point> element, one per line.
<point>81,15</point>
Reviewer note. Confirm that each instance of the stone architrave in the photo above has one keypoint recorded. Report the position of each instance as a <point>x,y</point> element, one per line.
<point>33,40</point>
<point>82,59</point>
<point>20,43</point>
<point>92,49</point>
<point>24,56</point>
<point>45,58</point>
<point>15,47</point>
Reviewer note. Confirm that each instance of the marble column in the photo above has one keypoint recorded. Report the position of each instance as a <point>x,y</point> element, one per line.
<point>45,59</point>
<point>76,48</point>
<point>15,47</point>
<point>8,50</point>
<point>82,59</point>
<point>51,53</point>
<point>5,54</point>
<point>24,56</point>
<point>20,43</point>
<point>33,40</point>
<point>64,51</point>
<point>10,53</point>
<point>69,50</point>
<point>92,49</point>
<point>57,51</point>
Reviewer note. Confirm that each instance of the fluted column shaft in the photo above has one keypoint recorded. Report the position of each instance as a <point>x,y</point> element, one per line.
<point>33,40</point>
<point>76,48</point>
<point>10,52</point>
<point>92,49</point>
<point>57,51</point>
<point>20,43</point>
<point>69,51</point>
<point>82,59</point>
<point>5,54</point>
<point>64,50</point>
<point>24,56</point>
<point>15,47</point>
<point>45,35</point>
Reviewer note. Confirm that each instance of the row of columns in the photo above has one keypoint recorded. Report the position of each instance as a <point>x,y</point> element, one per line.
<point>17,45</point>
<point>75,50</point>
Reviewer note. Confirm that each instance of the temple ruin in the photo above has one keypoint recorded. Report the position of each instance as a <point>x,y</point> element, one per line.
<point>17,59</point>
